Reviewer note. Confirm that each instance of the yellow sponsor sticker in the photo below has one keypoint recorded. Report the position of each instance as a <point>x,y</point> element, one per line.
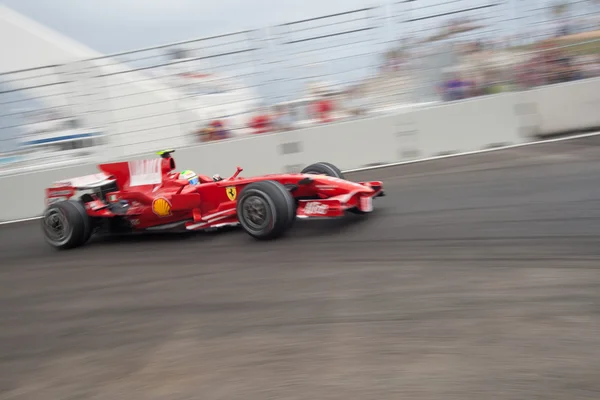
<point>161,207</point>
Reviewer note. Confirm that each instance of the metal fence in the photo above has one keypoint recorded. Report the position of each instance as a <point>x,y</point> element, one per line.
<point>320,70</point>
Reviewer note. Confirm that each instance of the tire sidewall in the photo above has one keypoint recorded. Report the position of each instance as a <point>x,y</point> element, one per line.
<point>79,224</point>
<point>291,202</point>
<point>68,238</point>
<point>270,207</point>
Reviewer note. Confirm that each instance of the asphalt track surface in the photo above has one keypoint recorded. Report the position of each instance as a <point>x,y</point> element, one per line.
<point>476,278</point>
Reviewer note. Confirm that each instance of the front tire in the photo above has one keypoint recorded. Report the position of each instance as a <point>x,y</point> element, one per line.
<point>323,168</point>
<point>266,210</point>
<point>66,225</point>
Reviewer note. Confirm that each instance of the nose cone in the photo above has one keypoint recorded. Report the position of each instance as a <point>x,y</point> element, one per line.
<point>341,184</point>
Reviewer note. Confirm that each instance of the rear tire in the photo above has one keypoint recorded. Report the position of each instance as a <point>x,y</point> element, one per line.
<point>66,225</point>
<point>266,209</point>
<point>323,168</point>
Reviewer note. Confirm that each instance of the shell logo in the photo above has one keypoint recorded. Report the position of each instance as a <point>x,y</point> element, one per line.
<point>161,207</point>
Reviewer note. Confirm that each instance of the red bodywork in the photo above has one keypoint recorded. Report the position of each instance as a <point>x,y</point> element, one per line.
<point>157,199</point>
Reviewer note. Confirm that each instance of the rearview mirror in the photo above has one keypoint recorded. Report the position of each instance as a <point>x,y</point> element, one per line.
<point>239,169</point>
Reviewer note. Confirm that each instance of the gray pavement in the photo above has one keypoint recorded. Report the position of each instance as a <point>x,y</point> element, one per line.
<point>476,278</point>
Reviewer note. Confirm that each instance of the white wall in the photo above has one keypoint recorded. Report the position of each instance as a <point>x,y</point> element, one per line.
<point>468,125</point>
<point>568,106</point>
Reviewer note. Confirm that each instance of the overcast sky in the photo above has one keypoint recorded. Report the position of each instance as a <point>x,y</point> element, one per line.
<point>117,25</point>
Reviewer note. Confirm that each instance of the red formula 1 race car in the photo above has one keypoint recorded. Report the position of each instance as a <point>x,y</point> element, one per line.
<point>149,195</point>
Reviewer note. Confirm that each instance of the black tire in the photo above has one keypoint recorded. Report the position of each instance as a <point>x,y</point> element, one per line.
<point>66,225</point>
<point>323,168</point>
<point>266,209</point>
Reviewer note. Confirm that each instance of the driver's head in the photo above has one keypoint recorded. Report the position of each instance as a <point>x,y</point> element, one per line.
<point>190,176</point>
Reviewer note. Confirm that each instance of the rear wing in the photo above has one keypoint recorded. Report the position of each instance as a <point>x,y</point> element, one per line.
<point>84,182</point>
<point>66,189</point>
<point>123,175</point>
<point>139,172</point>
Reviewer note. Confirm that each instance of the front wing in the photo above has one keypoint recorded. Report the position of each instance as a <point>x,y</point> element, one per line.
<point>336,206</point>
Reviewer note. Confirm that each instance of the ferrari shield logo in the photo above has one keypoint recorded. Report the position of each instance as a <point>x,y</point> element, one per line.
<point>231,192</point>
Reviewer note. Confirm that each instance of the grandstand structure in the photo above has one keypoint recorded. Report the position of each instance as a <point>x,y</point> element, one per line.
<point>138,108</point>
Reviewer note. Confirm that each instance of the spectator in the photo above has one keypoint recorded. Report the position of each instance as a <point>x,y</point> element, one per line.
<point>215,130</point>
<point>261,123</point>
<point>453,88</point>
<point>218,130</point>
<point>323,109</point>
<point>205,134</point>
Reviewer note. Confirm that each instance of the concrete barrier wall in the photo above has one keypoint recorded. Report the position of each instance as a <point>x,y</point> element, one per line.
<point>568,106</point>
<point>468,125</point>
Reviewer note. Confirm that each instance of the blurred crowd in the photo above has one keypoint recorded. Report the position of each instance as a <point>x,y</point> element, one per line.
<point>287,116</point>
<point>547,63</point>
<point>545,68</point>
<point>481,68</point>
<point>554,65</point>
